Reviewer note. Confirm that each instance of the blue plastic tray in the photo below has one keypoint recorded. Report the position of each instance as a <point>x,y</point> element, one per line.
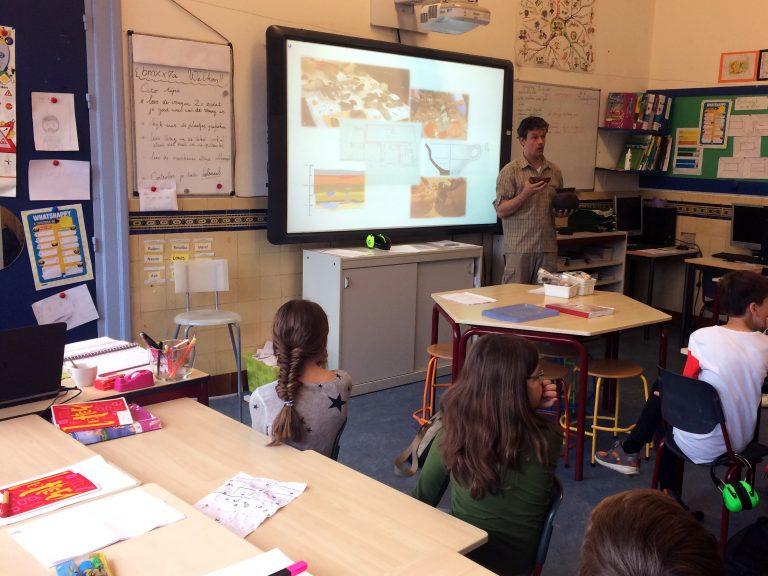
<point>519,313</point>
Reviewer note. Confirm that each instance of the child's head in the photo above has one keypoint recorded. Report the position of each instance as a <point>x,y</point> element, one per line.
<point>744,295</point>
<point>300,335</point>
<point>489,413</point>
<point>646,532</point>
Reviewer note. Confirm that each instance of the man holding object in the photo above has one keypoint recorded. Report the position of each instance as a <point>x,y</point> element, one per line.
<point>524,192</point>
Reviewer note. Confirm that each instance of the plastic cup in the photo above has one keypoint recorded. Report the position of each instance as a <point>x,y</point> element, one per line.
<point>84,374</point>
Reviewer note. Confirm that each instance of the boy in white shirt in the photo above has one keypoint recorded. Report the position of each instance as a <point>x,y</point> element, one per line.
<point>733,359</point>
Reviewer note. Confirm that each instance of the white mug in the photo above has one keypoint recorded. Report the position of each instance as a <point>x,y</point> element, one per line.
<point>84,374</point>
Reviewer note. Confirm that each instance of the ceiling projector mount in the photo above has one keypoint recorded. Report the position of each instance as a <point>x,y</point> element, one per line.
<point>445,16</point>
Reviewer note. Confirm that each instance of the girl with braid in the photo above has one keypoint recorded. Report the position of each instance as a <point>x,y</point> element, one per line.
<point>306,406</point>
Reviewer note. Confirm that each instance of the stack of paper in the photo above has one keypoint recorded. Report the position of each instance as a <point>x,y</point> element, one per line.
<point>262,565</point>
<point>468,298</point>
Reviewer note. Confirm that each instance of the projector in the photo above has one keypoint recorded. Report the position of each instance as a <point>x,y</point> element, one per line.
<point>451,17</point>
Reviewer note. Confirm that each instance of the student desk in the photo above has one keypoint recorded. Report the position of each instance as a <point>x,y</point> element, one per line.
<point>563,329</point>
<point>344,523</point>
<point>693,264</point>
<point>195,545</point>
<point>652,255</point>
<point>196,386</point>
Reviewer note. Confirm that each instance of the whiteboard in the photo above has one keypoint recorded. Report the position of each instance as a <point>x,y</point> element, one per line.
<point>572,114</point>
<point>182,114</point>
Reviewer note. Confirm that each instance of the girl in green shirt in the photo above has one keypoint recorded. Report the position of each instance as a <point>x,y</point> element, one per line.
<point>497,452</point>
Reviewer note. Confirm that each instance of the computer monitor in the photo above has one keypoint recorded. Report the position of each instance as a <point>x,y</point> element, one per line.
<point>629,214</point>
<point>747,226</point>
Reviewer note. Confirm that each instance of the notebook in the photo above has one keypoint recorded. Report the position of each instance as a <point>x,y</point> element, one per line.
<point>110,355</point>
<point>519,313</point>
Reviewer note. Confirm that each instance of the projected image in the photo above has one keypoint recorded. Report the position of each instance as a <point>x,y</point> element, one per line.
<point>390,150</point>
<point>442,114</point>
<point>439,198</point>
<point>332,90</point>
<point>339,189</point>
<point>449,159</point>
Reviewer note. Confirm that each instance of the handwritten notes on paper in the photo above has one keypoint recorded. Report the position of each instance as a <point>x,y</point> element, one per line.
<point>183,113</point>
<point>157,195</point>
<point>243,502</point>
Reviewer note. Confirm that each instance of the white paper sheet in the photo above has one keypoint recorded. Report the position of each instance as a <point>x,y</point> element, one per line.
<point>76,307</point>
<point>404,249</point>
<point>53,121</point>
<point>59,180</point>
<point>347,253</point>
<point>157,195</point>
<point>107,478</point>
<point>468,298</point>
<point>243,502</point>
<point>751,103</point>
<point>746,146</point>
<point>264,564</point>
<point>92,526</point>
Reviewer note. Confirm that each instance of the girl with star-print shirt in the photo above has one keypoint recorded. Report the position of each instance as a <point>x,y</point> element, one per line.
<point>307,405</point>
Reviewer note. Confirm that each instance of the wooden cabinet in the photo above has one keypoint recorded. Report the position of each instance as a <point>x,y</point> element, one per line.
<point>379,306</point>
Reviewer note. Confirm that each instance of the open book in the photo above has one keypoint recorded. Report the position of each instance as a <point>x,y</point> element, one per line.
<point>110,355</point>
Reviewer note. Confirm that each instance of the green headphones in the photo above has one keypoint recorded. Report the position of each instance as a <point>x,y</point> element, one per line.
<point>379,241</point>
<point>739,495</point>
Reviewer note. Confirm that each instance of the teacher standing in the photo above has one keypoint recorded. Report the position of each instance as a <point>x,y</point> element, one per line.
<point>524,192</point>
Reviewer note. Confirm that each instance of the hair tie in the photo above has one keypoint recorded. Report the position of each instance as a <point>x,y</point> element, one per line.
<point>288,403</point>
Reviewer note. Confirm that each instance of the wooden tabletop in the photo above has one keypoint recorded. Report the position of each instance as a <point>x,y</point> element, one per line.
<point>344,523</point>
<point>30,446</point>
<point>439,563</point>
<point>90,394</point>
<point>666,252</point>
<point>725,264</point>
<point>628,313</point>
<point>194,545</point>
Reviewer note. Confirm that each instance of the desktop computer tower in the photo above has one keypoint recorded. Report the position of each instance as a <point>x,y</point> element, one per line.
<point>659,226</point>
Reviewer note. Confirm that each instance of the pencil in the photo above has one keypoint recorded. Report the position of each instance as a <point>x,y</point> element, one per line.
<point>5,504</point>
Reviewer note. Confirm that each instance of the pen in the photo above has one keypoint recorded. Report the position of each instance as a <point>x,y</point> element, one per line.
<point>5,505</point>
<point>148,340</point>
<point>291,570</point>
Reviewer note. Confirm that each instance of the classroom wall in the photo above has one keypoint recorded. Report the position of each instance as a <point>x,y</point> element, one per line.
<point>263,276</point>
<point>688,56</point>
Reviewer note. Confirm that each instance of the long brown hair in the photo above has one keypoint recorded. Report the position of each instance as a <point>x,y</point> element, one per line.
<point>300,335</point>
<point>489,425</point>
<point>646,532</point>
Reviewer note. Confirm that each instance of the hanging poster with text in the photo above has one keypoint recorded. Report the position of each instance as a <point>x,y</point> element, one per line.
<point>58,247</point>
<point>182,113</point>
<point>7,111</point>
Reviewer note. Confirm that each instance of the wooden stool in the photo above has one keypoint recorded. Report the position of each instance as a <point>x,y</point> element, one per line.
<point>613,370</point>
<point>440,351</point>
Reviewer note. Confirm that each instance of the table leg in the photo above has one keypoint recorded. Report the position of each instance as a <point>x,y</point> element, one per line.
<point>649,292</point>
<point>456,361</point>
<point>685,325</point>
<point>202,391</point>
<point>663,345</point>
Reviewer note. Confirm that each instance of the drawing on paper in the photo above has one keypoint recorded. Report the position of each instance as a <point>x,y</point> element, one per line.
<point>557,34</point>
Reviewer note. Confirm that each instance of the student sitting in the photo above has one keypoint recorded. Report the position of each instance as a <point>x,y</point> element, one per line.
<point>497,452</point>
<point>645,532</point>
<point>307,405</point>
<point>732,358</point>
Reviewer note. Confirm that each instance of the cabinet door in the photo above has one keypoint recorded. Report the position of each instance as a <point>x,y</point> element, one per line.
<point>378,310</point>
<point>437,277</point>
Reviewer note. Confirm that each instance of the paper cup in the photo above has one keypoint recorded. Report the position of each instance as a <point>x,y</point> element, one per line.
<point>84,374</point>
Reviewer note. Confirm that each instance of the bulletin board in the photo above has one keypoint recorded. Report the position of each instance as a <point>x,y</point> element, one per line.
<point>50,56</point>
<point>738,164</point>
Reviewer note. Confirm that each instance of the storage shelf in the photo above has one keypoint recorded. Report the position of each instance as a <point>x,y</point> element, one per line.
<point>607,281</point>
<point>634,131</point>
<point>593,264</point>
<point>650,172</point>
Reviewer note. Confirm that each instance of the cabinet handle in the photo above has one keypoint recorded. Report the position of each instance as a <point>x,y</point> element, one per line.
<point>346,281</point>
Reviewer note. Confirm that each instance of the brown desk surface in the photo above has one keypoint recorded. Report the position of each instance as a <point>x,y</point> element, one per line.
<point>725,264</point>
<point>90,393</point>
<point>628,313</point>
<point>661,252</point>
<point>192,546</point>
<point>344,523</point>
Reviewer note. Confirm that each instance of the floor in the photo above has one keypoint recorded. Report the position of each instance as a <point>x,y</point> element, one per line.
<point>380,426</point>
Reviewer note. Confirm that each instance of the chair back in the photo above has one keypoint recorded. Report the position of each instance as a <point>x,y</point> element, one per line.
<point>205,275</point>
<point>555,499</point>
<point>688,404</point>
<point>337,441</point>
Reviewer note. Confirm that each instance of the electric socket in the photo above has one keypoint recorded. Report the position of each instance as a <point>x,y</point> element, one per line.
<point>689,237</point>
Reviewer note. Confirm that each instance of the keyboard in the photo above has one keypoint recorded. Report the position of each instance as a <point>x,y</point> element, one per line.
<point>736,257</point>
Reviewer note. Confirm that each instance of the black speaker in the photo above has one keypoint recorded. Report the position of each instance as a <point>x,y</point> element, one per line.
<point>659,226</point>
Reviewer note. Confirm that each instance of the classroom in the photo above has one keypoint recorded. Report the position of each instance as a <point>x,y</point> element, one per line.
<point>386,287</point>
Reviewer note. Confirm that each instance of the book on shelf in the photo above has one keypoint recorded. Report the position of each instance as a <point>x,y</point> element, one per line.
<point>645,152</point>
<point>620,110</point>
<point>143,421</point>
<point>91,415</point>
<point>582,310</point>
<point>637,111</point>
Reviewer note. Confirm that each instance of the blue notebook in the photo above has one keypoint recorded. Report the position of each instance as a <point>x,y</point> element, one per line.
<point>519,313</point>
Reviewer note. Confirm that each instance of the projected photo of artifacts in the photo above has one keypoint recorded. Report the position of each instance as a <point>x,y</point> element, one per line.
<point>439,198</point>
<point>332,91</point>
<point>442,114</point>
<point>339,189</point>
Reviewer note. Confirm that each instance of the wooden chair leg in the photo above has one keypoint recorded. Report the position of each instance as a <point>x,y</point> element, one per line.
<point>598,383</point>
<point>645,396</point>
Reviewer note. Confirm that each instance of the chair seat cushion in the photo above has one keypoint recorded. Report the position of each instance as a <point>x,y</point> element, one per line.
<point>206,318</point>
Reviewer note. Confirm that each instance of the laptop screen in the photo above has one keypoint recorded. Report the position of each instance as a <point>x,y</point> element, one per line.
<point>31,361</point>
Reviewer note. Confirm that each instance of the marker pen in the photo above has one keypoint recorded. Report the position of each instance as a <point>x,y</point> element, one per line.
<point>5,505</point>
<point>291,570</point>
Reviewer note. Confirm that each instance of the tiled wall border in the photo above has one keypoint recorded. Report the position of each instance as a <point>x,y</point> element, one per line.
<point>196,221</point>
